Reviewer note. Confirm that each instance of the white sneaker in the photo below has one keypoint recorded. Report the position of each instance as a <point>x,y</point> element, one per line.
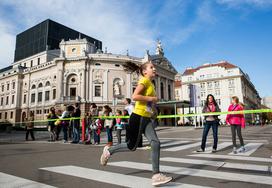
<point>234,150</point>
<point>242,149</point>
<point>160,179</point>
<point>105,156</point>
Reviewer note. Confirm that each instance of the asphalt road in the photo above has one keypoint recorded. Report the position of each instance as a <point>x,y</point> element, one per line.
<point>42,164</point>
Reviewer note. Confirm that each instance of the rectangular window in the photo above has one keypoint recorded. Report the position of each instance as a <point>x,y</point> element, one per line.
<point>231,82</point>
<point>2,101</point>
<point>24,101</point>
<point>11,115</point>
<point>38,61</point>
<point>218,101</point>
<point>97,91</point>
<point>7,100</point>
<point>217,92</point>
<point>0,115</point>
<point>24,64</point>
<point>202,85</point>
<point>33,98</point>
<point>54,93</point>
<point>12,99</point>
<point>169,92</point>
<point>13,85</point>
<point>47,94</point>
<point>40,97</point>
<point>3,88</point>
<point>7,87</point>
<point>6,115</point>
<point>209,84</point>
<point>203,94</point>
<point>31,63</point>
<point>216,84</point>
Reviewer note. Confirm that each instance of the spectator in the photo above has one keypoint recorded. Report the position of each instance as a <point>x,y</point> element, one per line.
<point>119,126</point>
<point>108,123</point>
<point>76,124</point>
<point>129,107</point>
<point>91,127</point>
<point>58,124</point>
<point>65,121</point>
<point>52,117</point>
<point>30,126</point>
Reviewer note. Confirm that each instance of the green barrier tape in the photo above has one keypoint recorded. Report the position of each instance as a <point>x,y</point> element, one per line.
<point>163,116</point>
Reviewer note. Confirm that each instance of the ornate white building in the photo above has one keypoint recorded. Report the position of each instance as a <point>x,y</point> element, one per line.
<point>221,79</point>
<point>75,73</point>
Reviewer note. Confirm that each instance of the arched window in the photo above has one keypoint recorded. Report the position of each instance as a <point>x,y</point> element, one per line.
<point>33,86</point>
<point>40,85</point>
<point>162,91</point>
<point>47,83</point>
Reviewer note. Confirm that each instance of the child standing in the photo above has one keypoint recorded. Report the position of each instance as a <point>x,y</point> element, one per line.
<point>236,122</point>
<point>140,122</point>
<point>119,126</point>
<point>108,123</point>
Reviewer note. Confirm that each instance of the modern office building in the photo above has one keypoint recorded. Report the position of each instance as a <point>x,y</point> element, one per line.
<point>46,36</point>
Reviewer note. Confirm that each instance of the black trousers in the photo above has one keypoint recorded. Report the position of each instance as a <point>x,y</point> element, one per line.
<point>31,134</point>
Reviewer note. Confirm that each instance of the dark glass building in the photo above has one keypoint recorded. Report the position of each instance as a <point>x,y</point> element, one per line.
<point>46,36</point>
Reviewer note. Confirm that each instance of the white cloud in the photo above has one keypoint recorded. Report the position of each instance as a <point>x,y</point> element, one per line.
<point>120,26</point>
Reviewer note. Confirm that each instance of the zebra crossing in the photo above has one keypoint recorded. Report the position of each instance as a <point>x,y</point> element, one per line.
<point>223,166</point>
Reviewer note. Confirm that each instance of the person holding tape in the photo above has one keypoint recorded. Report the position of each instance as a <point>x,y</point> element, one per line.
<point>211,121</point>
<point>236,122</point>
<point>140,122</point>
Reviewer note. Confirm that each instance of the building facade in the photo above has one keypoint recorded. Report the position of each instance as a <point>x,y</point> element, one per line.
<point>77,72</point>
<point>221,79</point>
<point>267,101</point>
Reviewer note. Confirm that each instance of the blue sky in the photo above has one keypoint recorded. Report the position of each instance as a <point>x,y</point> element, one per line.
<point>193,32</point>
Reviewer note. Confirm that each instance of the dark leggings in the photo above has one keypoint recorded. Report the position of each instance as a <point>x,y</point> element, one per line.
<point>137,126</point>
<point>31,134</point>
<point>234,129</point>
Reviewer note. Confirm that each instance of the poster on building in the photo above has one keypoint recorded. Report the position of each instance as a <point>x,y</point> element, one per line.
<point>194,95</point>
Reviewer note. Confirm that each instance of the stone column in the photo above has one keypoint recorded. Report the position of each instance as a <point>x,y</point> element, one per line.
<point>128,85</point>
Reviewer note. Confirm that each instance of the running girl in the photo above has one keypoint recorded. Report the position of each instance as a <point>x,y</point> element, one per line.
<point>140,122</point>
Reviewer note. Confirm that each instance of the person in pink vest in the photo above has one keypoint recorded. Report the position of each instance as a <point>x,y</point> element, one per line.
<point>236,122</point>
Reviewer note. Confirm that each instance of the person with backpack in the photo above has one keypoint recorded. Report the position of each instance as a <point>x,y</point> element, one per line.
<point>65,122</point>
<point>211,121</point>
<point>236,122</point>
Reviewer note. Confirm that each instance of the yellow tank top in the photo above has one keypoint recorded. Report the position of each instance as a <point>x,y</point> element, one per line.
<point>143,108</point>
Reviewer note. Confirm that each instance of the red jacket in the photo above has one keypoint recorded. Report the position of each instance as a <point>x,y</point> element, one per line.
<point>236,119</point>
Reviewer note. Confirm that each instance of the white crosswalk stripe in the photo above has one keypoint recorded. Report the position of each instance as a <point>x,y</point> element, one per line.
<point>10,181</point>
<point>182,147</point>
<point>219,147</point>
<point>250,148</point>
<point>240,166</point>
<point>110,177</point>
<point>257,179</point>
<point>233,157</point>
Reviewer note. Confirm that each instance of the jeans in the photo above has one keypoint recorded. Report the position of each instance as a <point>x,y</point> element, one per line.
<point>234,129</point>
<point>65,132</point>
<point>109,133</point>
<point>31,134</point>
<point>76,134</point>
<point>119,135</point>
<point>96,137</point>
<point>207,126</point>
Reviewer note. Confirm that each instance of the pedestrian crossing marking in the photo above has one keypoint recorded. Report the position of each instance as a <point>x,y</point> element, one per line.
<point>174,143</point>
<point>250,148</point>
<point>198,172</point>
<point>183,147</point>
<point>240,166</point>
<point>219,147</point>
<point>10,181</point>
<point>111,177</point>
<point>233,157</point>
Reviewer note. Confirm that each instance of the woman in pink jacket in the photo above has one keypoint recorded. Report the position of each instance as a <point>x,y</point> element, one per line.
<point>236,122</point>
